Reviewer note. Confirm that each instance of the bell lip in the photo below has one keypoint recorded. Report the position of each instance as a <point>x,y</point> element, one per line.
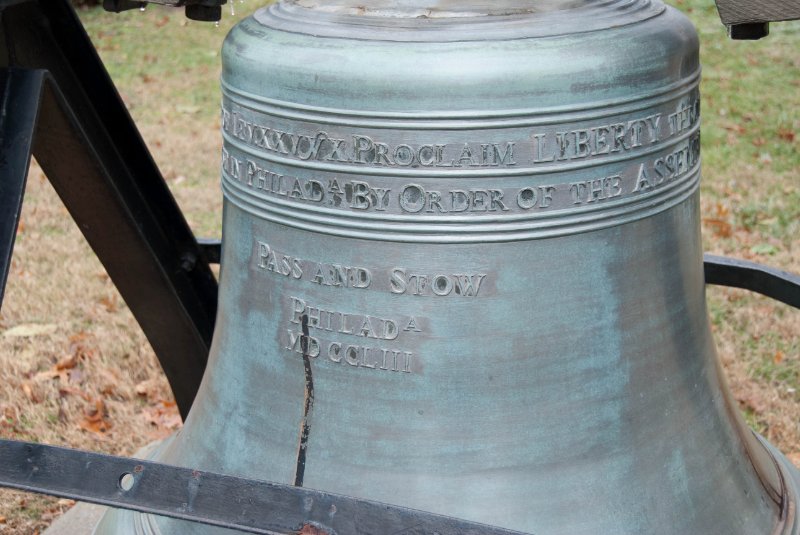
<point>789,523</point>
<point>424,26</point>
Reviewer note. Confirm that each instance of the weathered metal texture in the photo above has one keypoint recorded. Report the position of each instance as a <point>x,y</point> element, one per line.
<point>461,272</point>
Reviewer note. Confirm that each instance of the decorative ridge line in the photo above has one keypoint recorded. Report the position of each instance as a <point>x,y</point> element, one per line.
<point>365,12</point>
<point>427,119</point>
<point>292,19</point>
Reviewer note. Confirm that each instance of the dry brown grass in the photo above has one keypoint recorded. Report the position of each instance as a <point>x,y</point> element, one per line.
<point>90,380</point>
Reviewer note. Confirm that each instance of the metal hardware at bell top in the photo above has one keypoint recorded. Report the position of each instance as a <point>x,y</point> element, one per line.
<point>462,273</point>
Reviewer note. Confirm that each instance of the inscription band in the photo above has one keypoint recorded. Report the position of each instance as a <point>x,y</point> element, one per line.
<point>535,165</point>
<point>552,224</point>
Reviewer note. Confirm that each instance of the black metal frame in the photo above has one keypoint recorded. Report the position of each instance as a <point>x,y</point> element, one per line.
<point>58,103</point>
<point>750,19</point>
<point>61,104</point>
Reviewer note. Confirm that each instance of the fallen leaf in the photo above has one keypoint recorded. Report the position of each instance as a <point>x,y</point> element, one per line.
<point>777,358</point>
<point>80,336</point>
<point>30,329</point>
<point>109,303</point>
<point>141,389</point>
<point>32,392</point>
<point>734,127</point>
<point>786,134</point>
<point>164,419</point>
<point>50,374</point>
<point>95,418</point>
<point>65,390</point>
<point>719,227</point>
<point>308,529</point>
<point>753,401</point>
<point>67,363</point>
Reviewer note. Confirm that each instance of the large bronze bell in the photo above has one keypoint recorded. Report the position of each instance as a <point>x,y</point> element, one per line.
<point>462,272</point>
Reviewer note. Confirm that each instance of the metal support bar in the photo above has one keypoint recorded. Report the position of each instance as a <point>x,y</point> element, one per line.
<point>749,20</point>
<point>21,92</point>
<point>202,10</point>
<point>229,502</point>
<point>779,285</point>
<point>92,153</point>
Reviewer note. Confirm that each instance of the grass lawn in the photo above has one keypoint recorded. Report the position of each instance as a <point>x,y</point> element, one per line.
<point>77,371</point>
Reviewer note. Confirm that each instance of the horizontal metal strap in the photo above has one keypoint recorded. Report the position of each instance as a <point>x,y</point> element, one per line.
<point>231,502</point>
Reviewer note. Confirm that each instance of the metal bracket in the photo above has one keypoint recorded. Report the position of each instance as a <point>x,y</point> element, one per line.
<point>749,20</point>
<point>202,10</point>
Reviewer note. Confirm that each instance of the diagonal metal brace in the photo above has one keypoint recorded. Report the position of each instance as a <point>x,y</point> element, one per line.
<point>219,500</point>
<point>20,94</point>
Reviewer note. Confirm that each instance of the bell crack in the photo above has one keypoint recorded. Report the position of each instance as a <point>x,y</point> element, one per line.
<point>308,405</point>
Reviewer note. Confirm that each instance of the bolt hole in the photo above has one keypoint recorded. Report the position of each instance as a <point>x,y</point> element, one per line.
<point>126,481</point>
